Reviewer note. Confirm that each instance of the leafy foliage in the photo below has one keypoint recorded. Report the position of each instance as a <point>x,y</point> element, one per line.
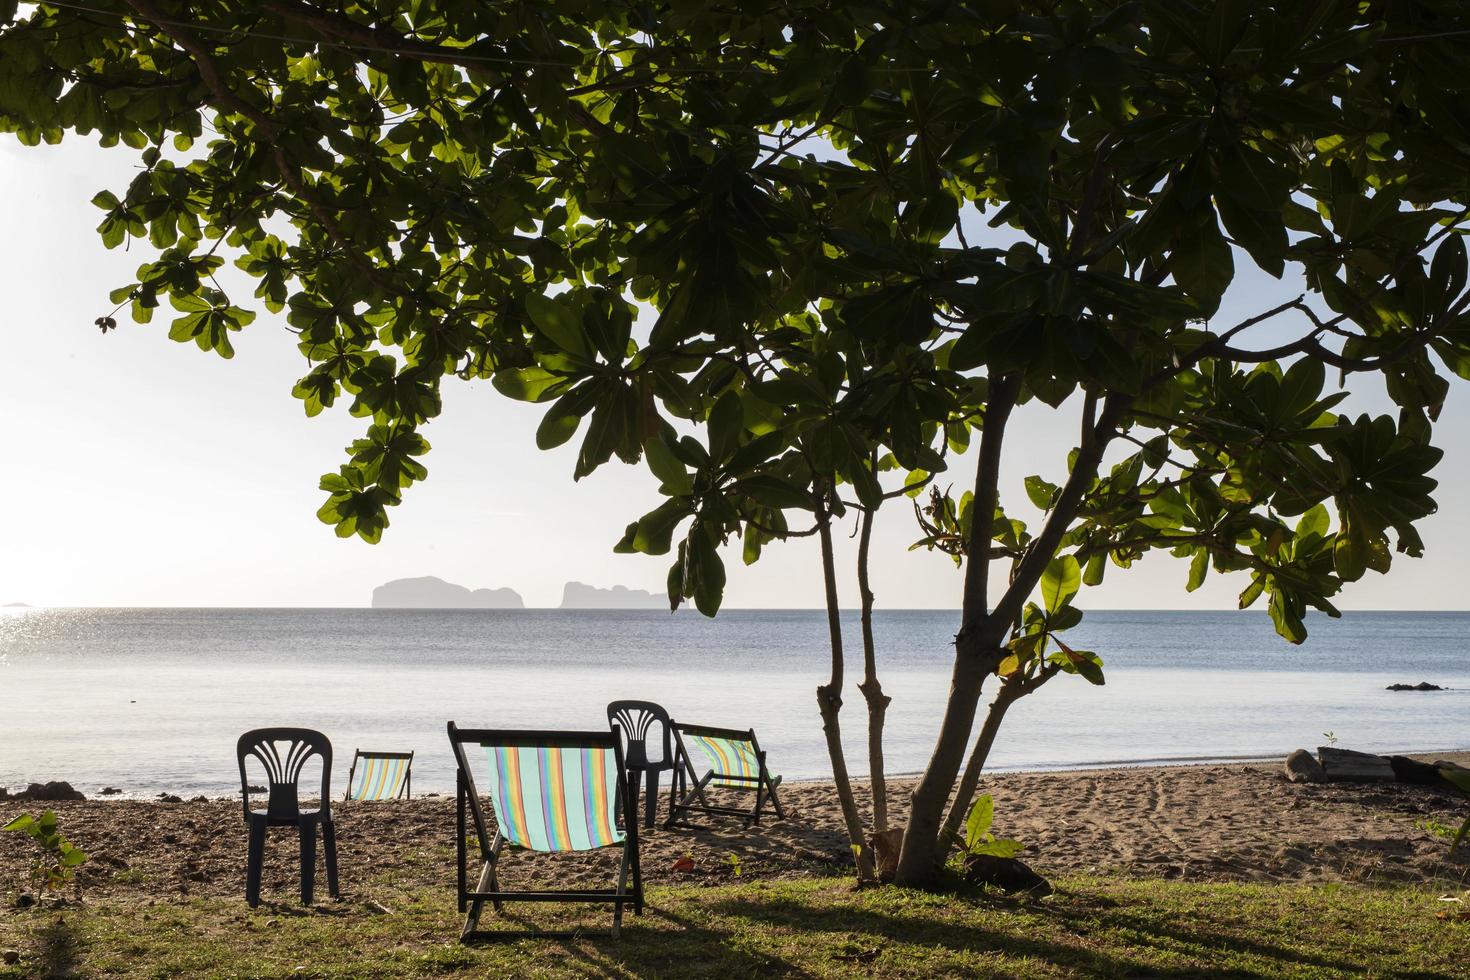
<point>431,190</point>
<point>56,865</point>
<point>978,838</point>
<point>795,258</point>
<point>1461,779</point>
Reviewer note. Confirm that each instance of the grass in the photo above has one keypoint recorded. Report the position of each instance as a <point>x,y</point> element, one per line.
<point>808,928</point>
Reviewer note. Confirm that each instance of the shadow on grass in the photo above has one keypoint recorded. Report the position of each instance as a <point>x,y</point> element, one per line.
<point>896,930</point>
<point>59,947</point>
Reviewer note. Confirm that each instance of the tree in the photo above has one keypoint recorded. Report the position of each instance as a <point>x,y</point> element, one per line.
<point>495,191</point>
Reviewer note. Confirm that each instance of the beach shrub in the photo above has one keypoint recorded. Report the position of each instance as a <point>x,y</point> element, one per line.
<point>866,236</point>
<point>1461,779</point>
<point>978,838</point>
<point>56,864</point>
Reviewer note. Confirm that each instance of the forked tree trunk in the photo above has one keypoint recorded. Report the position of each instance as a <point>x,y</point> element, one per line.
<point>923,849</point>
<point>872,690</point>
<point>959,809</point>
<point>829,701</point>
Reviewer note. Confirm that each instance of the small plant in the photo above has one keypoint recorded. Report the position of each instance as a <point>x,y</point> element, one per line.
<point>1331,738</point>
<point>56,865</point>
<point>734,860</point>
<point>978,838</point>
<point>1432,826</point>
<point>1461,779</point>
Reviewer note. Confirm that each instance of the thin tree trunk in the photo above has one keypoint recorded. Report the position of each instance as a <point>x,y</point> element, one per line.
<point>979,645</point>
<point>829,699</point>
<point>922,851</point>
<point>872,690</point>
<point>960,808</point>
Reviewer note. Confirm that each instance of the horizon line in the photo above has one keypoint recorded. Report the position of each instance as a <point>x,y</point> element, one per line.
<point>686,607</point>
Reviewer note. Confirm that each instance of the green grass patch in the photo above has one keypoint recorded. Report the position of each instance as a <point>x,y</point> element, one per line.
<point>810,928</point>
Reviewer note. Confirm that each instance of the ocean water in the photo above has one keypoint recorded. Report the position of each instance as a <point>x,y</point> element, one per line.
<point>152,700</point>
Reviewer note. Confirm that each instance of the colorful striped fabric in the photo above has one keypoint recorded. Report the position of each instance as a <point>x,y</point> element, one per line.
<point>377,778</point>
<point>728,757</point>
<point>554,799</point>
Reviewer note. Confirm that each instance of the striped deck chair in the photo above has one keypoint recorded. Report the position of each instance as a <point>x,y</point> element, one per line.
<point>383,776</point>
<point>732,759</point>
<point>550,791</point>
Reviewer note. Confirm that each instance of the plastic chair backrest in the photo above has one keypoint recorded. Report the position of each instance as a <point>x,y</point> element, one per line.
<point>283,768</point>
<point>635,719</point>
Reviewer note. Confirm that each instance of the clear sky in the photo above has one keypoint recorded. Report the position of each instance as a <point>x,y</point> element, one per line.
<point>144,472</point>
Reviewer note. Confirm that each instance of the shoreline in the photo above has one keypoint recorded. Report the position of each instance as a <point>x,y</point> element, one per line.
<point>1460,755</point>
<point>1241,822</point>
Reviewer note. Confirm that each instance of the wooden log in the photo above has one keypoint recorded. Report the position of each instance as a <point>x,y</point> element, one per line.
<point>1347,766</point>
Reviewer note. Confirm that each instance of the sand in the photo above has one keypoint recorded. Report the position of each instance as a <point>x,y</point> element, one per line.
<point>1228,822</point>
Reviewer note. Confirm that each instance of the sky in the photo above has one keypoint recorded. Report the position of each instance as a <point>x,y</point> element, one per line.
<point>141,472</point>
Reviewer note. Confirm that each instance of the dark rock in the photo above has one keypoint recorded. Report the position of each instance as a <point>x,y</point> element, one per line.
<point>4,794</point>
<point>1348,766</point>
<point>199,799</point>
<point>1010,875</point>
<point>1407,770</point>
<point>1302,767</point>
<point>169,798</point>
<point>108,791</point>
<point>1421,686</point>
<point>25,900</point>
<point>10,956</point>
<point>56,791</point>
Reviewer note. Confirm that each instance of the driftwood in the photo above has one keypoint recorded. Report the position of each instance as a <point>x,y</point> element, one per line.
<point>1347,766</point>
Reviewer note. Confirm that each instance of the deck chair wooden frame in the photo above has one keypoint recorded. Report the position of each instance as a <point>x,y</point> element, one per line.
<point>405,789</point>
<point>687,795</point>
<point>492,843</point>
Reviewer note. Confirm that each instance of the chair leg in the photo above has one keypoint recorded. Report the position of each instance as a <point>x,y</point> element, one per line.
<point>650,801</point>
<point>308,862</point>
<point>472,917</point>
<point>254,859</point>
<point>632,782</point>
<point>329,844</point>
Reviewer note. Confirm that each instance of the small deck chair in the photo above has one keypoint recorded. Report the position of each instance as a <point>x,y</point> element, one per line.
<point>383,776</point>
<point>734,760</point>
<point>551,791</point>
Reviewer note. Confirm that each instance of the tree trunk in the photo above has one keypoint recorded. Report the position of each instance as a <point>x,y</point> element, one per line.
<point>923,852</point>
<point>976,649</point>
<point>829,700</point>
<point>960,808</point>
<point>872,690</point>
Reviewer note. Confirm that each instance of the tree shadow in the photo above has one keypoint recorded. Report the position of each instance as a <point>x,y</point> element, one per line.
<point>919,929</point>
<point>59,947</point>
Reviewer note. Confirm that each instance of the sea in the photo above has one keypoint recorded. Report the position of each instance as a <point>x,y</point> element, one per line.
<point>151,701</point>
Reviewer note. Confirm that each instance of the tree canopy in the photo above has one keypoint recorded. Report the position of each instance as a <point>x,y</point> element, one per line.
<point>498,191</point>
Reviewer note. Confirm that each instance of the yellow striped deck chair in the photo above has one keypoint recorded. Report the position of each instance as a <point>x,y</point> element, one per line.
<point>380,776</point>
<point>731,759</point>
<point>548,791</point>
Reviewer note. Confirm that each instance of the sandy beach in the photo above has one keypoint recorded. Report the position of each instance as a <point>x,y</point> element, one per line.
<point>1226,822</point>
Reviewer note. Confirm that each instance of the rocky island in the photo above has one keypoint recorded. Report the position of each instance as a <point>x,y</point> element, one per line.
<point>578,595</point>
<point>429,592</point>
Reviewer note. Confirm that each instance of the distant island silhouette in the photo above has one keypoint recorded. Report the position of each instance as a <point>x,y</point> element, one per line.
<point>578,595</point>
<point>17,605</point>
<point>430,592</point>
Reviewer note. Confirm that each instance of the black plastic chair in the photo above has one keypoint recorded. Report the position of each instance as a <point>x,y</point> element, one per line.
<point>635,719</point>
<point>283,809</point>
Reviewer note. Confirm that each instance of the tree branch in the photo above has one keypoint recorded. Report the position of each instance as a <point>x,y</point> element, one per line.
<point>1001,399</point>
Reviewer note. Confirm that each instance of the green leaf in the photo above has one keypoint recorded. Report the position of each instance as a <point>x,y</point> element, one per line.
<point>1201,262</point>
<point>1001,847</point>
<point>1198,566</point>
<point>557,322</point>
<point>977,823</point>
<point>1060,582</point>
<point>1040,492</point>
